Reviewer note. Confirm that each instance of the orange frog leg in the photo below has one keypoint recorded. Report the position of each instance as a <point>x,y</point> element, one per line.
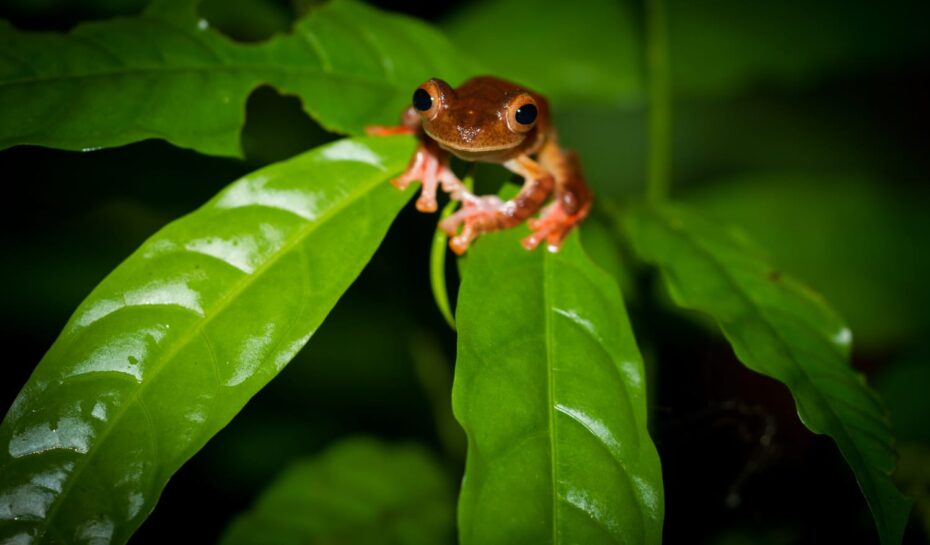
<point>429,165</point>
<point>572,200</point>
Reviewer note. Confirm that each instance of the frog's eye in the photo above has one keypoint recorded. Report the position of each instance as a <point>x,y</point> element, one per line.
<point>421,100</point>
<point>430,97</point>
<point>522,113</point>
<point>526,114</point>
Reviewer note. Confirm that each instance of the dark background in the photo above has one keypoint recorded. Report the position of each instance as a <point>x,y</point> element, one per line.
<point>825,162</point>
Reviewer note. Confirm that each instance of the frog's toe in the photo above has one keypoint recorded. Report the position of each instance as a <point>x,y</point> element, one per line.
<point>553,226</point>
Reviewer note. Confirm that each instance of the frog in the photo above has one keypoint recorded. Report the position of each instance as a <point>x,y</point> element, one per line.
<point>489,119</point>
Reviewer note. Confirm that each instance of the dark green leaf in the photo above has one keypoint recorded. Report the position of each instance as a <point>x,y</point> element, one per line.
<point>549,387</point>
<point>170,346</point>
<point>854,239</point>
<point>358,492</point>
<point>585,52</point>
<point>781,329</point>
<point>167,75</point>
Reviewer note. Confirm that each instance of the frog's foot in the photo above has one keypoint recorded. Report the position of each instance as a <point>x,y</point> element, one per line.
<point>553,226</point>
<point>475,217</point>
<point>427,168</point>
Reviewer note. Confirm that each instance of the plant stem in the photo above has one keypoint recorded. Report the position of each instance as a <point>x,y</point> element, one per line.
<point>660,114</point>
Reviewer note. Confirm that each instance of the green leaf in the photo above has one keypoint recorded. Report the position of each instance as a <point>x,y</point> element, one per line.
<point>868,255</point>
<point>550,389</point>
<point>171,345</point>
<point>570,51</point>
<point>359,491</point>
<point>167,75</point>
<point>783,330</point>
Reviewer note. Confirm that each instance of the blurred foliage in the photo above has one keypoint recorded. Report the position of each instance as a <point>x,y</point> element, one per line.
<point>358,491</point>
<point>570,51</point>
<point>858,241</point>
<point>723,47</point>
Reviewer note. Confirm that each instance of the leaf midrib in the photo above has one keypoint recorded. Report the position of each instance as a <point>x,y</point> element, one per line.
<point>238,288</point>
<point>550,408</point>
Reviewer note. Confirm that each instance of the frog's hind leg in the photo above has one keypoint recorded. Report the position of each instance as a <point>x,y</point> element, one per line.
<point>572,199</point>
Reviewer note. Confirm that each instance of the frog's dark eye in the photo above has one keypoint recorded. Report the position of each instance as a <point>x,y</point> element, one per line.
<point>526,114</point>
<point>422,100</point>
<point>522,113</point>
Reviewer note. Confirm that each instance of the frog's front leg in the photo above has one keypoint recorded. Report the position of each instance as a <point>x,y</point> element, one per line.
<point>484,214</point>
<point>429,164</point>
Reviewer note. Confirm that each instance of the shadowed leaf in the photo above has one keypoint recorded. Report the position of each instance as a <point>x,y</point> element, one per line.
<point>783,330</point>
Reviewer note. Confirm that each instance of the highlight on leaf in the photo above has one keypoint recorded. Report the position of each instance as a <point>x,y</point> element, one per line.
<point>172,344</point>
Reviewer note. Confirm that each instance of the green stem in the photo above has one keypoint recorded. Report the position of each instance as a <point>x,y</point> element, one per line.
<point>660,104</point>
<point>437,260</point>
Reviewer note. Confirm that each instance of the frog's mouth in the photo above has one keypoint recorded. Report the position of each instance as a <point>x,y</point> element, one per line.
<point>459,148</point>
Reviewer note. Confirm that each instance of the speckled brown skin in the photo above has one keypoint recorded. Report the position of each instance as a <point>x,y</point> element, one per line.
<point>476,123</point>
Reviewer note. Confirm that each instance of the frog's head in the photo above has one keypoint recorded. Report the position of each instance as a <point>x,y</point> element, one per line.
<point>484,116</point>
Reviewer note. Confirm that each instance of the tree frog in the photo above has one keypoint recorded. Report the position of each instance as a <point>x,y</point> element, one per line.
<point>491,120</point>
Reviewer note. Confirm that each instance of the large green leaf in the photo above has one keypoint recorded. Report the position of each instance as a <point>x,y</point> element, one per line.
<point>549,387</point>
<point>781,329</point>
<point>358,492</point>
<point>166,74</point>
<point>574,52</point>
<point>171,345</point>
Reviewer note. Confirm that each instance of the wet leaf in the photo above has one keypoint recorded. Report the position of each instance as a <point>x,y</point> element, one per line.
<point>166,74</point>
<point>357,492</point>
<point>549,387</point>
<point>171,345</point>
<point>783,330</point>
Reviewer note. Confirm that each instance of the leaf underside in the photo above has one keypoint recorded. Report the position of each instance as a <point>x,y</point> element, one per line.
<point>166,74</point>
<point>783,330</point>
<point>172,344</point>
<point>549,387</point>
<point>359,491</point>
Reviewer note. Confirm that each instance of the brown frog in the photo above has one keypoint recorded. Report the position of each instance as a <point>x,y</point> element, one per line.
<point>491,120</point>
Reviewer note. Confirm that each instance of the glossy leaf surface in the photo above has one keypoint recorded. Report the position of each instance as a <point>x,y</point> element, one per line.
<point>171,345</point>
<point>549,387</point>
<point>358,492</point>
<point>783,330</point>
<point>166,74</point>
